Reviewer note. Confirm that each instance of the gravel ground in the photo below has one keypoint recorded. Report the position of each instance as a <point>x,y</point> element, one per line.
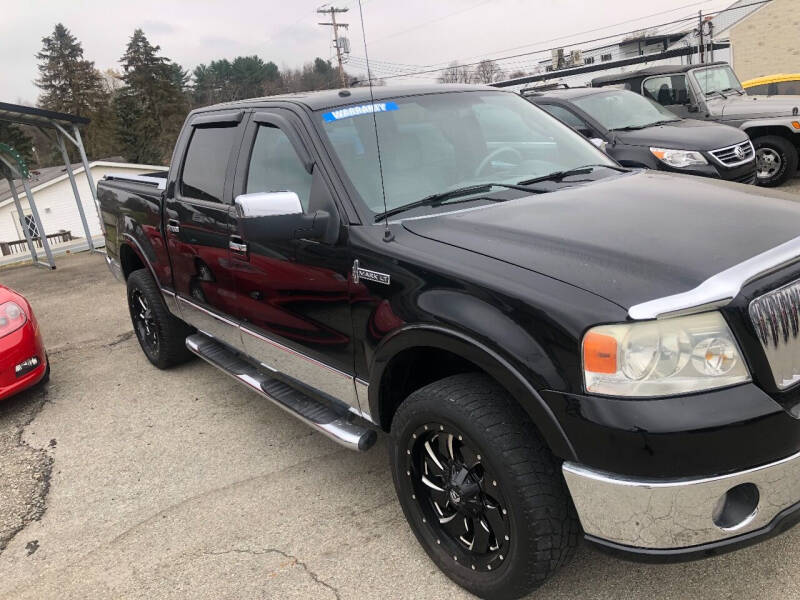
<point>792,187</point>
<point>119,480</point>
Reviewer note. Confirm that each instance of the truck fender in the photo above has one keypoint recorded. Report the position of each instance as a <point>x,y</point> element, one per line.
<point>785,123</point>
<point>485,358</point>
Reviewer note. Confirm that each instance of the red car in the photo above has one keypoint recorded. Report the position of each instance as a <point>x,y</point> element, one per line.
<point>23,362</point>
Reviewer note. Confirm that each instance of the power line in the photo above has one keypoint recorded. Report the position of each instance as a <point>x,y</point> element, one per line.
<point>429,21</point>
<point>596,29</point>
<point>598,39</point>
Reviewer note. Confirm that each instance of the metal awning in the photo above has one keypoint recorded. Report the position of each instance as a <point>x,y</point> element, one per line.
<point>48,122</point>
<point>38,117</point>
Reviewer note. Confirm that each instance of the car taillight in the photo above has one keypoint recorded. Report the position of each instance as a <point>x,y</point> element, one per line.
<point>12,317</point>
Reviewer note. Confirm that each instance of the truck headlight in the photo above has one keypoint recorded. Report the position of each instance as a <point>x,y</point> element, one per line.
<point>679,158</point>
<point>662,357</point>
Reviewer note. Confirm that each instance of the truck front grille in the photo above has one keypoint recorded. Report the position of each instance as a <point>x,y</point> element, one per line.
<point>733,156</point>
<point>776,318</point>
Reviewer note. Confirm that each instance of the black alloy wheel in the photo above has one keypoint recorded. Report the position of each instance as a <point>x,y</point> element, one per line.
<point>161,335</point>
<point>480,489</point>
<point>144,322</point>
<point>459,496</point>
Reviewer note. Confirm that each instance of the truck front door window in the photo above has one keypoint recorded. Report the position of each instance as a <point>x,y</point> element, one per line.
<point>275,167</point>
<point>669,90</point>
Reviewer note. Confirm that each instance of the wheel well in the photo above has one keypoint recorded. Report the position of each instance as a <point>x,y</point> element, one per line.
<point>784,132</point>
<point>413,369</point>
<point>129,260</point>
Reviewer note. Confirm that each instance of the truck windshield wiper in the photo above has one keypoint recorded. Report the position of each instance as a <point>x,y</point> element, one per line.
<point>442,197</point>
<point>709,92</point>
<point>730,89</point>
<point>559,175</point>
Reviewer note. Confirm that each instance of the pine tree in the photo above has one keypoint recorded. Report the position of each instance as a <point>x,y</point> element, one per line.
<point>13,135</point>
<point>71,84</point>
<point>152,106</point>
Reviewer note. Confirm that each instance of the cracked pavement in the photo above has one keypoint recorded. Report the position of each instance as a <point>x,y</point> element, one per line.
<point>175,484</point>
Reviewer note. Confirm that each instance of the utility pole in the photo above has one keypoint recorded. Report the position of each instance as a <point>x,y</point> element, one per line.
<point>711,39</point>
<point>332,11</point>
<point>701,48</point>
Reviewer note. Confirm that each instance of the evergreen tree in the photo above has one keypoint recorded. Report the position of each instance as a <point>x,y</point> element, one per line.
<point>152,106</point>
<point>13,135</point>
<point>244,77</point>
<point>71,84</point>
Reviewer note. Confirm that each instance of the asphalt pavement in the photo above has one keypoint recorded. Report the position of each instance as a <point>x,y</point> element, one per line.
<point>118,480</point>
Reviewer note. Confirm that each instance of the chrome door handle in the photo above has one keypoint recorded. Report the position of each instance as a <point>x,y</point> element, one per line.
<point>237,244</point>
<point>173,226</point>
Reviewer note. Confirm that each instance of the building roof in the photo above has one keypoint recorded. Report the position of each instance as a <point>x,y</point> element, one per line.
<point>18,113</point>
<point>648,72</point>
<point>724,20</point>
<point>47,176</point>
<point>357,95</point>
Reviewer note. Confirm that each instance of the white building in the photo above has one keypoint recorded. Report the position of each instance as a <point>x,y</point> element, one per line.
<point>58,210</point>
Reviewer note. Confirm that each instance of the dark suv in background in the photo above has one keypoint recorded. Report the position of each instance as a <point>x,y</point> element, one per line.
<point>712,92</point>
<point>638,132</point>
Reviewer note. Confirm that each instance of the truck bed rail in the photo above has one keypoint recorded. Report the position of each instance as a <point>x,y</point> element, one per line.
<point>157,182</point>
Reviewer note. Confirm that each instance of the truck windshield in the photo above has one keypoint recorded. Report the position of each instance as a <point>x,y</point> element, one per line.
<point>621,109</point>
<point>720,79</point>
<point>438,142</point>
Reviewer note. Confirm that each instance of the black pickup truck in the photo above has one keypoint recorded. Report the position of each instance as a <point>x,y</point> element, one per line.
<point>560,348</point>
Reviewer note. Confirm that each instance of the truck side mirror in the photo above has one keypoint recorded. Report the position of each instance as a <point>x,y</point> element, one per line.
<point>599,143</point>
<point>277,216</point>
<point>268,204</point>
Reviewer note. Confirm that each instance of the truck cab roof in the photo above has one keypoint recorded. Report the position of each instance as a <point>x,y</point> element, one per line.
<point>649,72</point>
<point>342,97</point>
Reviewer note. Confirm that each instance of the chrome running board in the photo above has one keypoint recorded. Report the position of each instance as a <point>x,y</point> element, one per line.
<point>339,424</point>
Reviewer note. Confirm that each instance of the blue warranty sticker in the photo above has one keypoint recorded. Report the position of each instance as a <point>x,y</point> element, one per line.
<point>355,111</point>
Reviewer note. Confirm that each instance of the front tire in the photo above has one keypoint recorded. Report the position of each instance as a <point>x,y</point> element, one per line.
<point>161,335</point>
<point>776,160</point>
<point>482,492</point>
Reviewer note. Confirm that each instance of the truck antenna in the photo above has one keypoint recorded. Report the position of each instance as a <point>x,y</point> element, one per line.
<point>387,233</point>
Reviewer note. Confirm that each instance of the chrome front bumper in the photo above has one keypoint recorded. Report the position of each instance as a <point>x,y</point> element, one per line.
<point>680,514</point>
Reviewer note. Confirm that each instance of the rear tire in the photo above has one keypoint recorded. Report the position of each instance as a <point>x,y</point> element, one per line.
<point>776,160</point>
<point>161,335</point>
<point>464,451</point>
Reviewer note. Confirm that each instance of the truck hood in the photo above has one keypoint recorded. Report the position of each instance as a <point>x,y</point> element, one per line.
<point>749,107</point>
<point>686,134</point>
<point>628,238</point>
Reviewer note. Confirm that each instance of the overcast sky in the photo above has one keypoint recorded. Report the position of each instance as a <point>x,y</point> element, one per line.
<point>410,32</point>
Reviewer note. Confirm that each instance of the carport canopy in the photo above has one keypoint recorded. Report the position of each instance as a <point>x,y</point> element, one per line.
<point>57,127</point>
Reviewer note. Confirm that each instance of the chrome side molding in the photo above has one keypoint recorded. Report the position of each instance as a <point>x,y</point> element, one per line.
<point>718,290</point>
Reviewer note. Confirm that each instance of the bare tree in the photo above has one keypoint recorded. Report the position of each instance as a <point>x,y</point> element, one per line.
<point>517,73</point>
<point>455,73</point>
<point>450,74</point>
<point>487,71</point>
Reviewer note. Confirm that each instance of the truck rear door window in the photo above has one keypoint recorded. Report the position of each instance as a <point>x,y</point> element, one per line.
<point>206,161</point>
